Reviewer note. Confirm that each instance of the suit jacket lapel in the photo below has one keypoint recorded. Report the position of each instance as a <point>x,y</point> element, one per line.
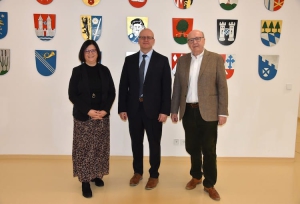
<point>151,64</point>
<point>204,63</point>
<point>187,64</point>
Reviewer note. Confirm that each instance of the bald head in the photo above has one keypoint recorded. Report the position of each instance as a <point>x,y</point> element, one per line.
<point>146,40</point>
<point>196,42</point>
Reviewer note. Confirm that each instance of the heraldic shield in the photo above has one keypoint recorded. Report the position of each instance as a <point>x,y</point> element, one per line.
<point>45,26</point>
<point>4,61</point>
<point>228,4</point>
<point>226,31</point>
<point>91,27</point>
<point>134,26</point>
<point>137,3</point>
<point>45,2</point>
<point>181,29</point>
<point>267,66</point>
<point>273,5</point>
<point>175,57</point>
<point>45,61</point>
<point>229,63</point>
<point>270,32</point>
<point>183,4</point>
<point>91,2</point>
<point>3,24</point>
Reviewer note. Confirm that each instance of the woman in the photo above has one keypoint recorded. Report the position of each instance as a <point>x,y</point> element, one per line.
<point>92,92</point>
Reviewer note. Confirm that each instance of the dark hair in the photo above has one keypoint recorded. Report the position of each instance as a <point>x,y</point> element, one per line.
<point>137,21</point>
<point>83,48</point>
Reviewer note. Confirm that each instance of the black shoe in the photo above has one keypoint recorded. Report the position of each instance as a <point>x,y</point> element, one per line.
<point>98,182</point>
<point>86,190</point>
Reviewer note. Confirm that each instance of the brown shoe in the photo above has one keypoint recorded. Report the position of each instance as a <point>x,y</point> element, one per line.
<point>213,193</point>
<point>135,179</point>
<point>193,183</point>
<point>152,183</point>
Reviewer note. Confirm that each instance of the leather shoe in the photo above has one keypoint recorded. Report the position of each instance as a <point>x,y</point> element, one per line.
<point>86,190</point>
<point>193,183</point>
<point>98,182</point>
<point>213,193</point>
<point>135,179</point>
<point>152,183</point>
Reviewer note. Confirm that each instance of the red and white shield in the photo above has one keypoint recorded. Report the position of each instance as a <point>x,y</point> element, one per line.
<point>137,3</point>
<point>229,63</point>
<point>175,57</point>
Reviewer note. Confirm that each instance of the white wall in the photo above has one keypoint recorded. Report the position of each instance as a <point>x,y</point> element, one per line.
<point>35,113</point>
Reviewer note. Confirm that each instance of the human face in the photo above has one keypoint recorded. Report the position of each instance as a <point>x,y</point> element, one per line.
<point>91,55</point>
<point>136,29</point>
<point>196,42</point>
<point>146,40</point>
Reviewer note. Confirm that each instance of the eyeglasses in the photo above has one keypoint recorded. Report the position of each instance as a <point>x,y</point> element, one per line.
<point>146,37</point>
<point>90,51</point>
<point>197,39</point>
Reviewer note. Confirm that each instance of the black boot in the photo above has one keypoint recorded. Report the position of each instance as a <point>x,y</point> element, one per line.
<point>86,190</point>
<point>98,182</point>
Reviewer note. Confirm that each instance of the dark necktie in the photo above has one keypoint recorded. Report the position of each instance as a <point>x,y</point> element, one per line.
<point>141,73</point>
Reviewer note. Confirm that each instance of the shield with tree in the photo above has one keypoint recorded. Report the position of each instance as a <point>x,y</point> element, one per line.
<point>181,29</point>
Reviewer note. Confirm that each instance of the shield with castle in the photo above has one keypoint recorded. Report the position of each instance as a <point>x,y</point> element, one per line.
<point>270,32</point>
<point>4,61</point>
<point>45,61</point>
<point>226,31</point>
<point>274,5</point>
<point>267,66</point>
<point>228,4</point>
<point>45,2</point>
<point>91,27</point>
<point>44,25</point>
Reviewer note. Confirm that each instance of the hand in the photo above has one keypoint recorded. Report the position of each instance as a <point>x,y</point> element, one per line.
<point>162,118</point>
<point>174,117</point>
<point>222,120</point>
<point>123,115</point>
<point>102,113</point>
<point>94,114</point>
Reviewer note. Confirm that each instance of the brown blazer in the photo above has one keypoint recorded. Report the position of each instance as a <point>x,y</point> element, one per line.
<point>212,86</point>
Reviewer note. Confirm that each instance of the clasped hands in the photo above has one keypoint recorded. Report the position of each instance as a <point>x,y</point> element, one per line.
<point>97,114</point>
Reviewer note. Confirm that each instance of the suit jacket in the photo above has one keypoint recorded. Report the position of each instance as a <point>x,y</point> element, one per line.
<point>79,91</point>
<point>212,86</point>
<point>156,90</point>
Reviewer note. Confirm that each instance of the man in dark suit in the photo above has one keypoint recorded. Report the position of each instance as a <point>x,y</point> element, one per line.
<point>145,99</point>
<point>201,96</point>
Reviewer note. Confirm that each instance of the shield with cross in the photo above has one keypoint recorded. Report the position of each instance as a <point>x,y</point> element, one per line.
<point>91,27</point>
<point>229,63</point>
<point>175,57</point>
<point>273,5</point>
<point>226,31</point>
<point>270,32</point>
<point>267,66</point>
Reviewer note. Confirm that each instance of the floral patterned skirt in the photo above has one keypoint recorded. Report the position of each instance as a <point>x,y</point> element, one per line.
<point>91,148</point>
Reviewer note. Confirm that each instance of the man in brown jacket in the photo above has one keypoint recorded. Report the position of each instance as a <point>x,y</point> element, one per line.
<point>201,96</point>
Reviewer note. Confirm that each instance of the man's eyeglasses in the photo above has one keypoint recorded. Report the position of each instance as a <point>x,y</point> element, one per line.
<point>146,37</point>
<point>197,39</point>
<point>90,51</point>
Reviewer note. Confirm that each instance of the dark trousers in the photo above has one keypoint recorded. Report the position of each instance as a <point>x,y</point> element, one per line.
<point>137,127</point>
<point>201,140</point>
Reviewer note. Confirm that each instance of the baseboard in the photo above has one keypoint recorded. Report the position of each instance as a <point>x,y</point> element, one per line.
<point>169,158</point>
